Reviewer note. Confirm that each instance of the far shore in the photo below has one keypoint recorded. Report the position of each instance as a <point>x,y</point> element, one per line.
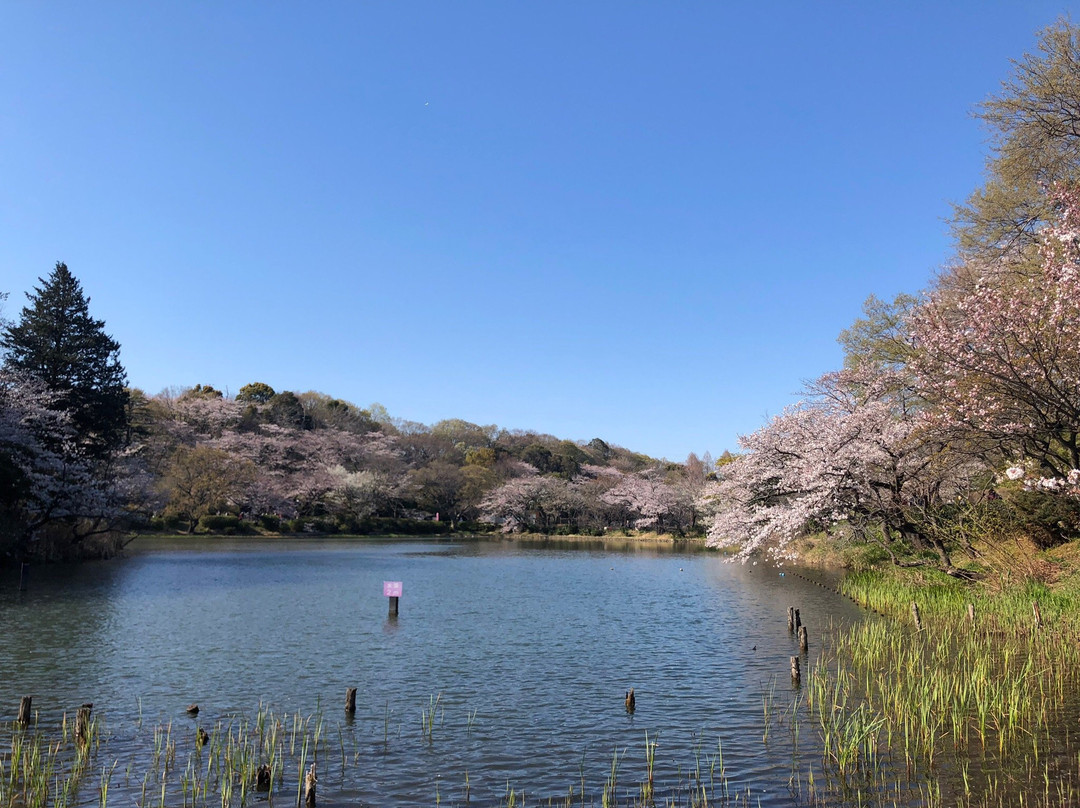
<point>609,539</point>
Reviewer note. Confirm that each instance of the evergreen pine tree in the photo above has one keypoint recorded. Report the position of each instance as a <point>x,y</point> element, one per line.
<point>58,342</point>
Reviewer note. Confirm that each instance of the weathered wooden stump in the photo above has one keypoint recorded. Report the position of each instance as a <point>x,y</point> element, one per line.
<point>262,779</point>
<point>803,641</point>
<point>24,709</point>
<point>350,701</point>
<point>309,787</point>
<point>791,619</point>
<point>796,672</point>
<point>82,723</point>
<point>631,702</point>
<point>798,620</point>
<point>915,615</point>
<point>971,615</point>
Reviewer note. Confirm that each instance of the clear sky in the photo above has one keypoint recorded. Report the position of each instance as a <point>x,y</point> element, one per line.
<point>645,222</point>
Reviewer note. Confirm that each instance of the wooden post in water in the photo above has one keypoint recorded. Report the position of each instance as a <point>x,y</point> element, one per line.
<point>393,591</point>
<point>798,620</point>
<point>82,723</point>
<point>24,574</point>
<point>915,614</point>
<point>971,615</point>
<point>309,787</point>
<point>796,673</point>
<point>791,619</point>
<point>24,709</point>
<point>803,643</point>
<point>350,701</point>
<point>1037,613</point>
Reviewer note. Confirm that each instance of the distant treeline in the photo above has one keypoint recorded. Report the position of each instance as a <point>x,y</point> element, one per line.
<point>84,458</point>
<point>281,461</point>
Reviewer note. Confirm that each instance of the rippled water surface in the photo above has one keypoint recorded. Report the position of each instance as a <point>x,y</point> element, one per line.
<point>529,649</point>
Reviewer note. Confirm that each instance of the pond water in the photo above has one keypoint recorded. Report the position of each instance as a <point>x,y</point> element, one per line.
<point>527,649</point>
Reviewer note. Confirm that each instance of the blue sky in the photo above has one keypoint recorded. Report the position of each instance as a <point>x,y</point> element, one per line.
<point>645,222</point>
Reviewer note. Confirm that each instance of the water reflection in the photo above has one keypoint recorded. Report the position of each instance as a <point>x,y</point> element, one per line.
<point>529,650</point>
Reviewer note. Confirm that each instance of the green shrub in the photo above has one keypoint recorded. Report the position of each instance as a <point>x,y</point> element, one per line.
<point>270,522</point>
<point>224,523</point>
<point>1048,517</point>
<point>384,525</point>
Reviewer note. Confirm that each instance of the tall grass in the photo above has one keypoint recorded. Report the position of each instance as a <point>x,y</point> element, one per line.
<point>982,714</point>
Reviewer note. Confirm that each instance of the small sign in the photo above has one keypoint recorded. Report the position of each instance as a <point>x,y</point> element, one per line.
<point>391,589</point>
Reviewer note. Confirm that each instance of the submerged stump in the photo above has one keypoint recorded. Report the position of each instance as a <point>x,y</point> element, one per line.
<point>82,723</point>
<point>631,702</point>
<point>350,701</point>
<point>262,779</point>
<point>24,709</point>
<point>309,787</point>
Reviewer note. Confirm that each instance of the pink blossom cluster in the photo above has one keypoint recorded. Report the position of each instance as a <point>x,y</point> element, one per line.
<point>39,443</point>
<point>1001,355</point>
<point>855,451</point>
<point>1030,479</point>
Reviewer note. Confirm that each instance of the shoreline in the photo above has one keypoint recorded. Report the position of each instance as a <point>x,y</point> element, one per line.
<point>644,539</point>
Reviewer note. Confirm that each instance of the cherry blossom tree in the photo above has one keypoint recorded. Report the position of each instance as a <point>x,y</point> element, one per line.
<point>999,357</point>
<point>651,502</point>
<point>857,452</point>
<point>51,496</point>
<point>537,503</point>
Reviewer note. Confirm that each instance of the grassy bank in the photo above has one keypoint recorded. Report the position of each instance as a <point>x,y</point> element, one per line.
<point>969,689</point>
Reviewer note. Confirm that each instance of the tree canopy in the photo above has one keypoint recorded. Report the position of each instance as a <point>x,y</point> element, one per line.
<point>1034,126</point>
<point>57,342</point>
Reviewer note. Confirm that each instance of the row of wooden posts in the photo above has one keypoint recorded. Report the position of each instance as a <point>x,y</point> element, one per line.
<point>82,718</point>
<point>795,626</point>
<point>82,727</point>
<point>1035,611</point>
<point>262,778</point>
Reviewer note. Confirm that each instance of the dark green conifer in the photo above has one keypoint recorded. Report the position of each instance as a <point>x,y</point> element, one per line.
<point>57,341</point>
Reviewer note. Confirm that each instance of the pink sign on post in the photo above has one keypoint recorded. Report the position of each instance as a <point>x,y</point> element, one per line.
<point>391,589</point>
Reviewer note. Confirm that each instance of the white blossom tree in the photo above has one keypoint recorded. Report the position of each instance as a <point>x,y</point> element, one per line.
<point>52,497</point>
<point>999,356</point>
<point>856,451</point>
